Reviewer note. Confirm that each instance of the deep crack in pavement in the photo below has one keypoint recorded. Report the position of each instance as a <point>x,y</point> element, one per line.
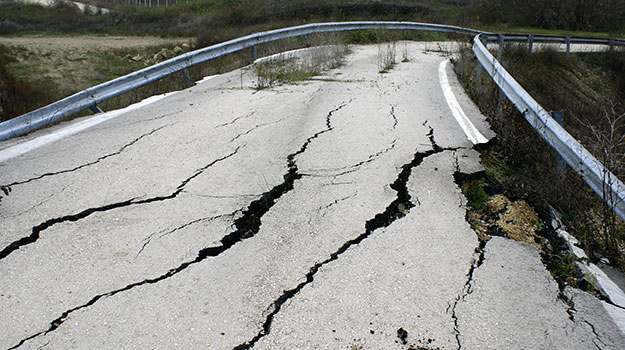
<point>36,231</point>
<point>397,209</point>
<point>246,226</point>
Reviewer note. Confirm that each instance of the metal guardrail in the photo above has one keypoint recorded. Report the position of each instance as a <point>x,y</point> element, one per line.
<point>91,97</point>
<point>522,38</point>
<point>600,179</point>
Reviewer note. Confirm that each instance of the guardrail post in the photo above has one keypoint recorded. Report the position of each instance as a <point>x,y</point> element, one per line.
<point>500,41</point>
<point>478,74</point>
<point>254,52</point>
<point>568,46</point>
<point>530,42</point>
<point>558,116</point>
<point>96,109</point>
<point>187,78</point>
<point>611,44</point>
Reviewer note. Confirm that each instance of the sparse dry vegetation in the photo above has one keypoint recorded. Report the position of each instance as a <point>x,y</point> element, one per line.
<point>294,66</point>
<point>387,53</point>
<point>591,115</point>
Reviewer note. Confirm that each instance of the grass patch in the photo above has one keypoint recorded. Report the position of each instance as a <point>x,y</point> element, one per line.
<point>303,65</point>
<point>476,196</point>
<point>499,171</point>
<point>24,70</point>
<point>110,66</point>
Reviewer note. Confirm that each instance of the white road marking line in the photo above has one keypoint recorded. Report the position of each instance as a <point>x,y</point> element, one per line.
<point>27,146</point>
<point>205,79</point>
<point>469,129</point>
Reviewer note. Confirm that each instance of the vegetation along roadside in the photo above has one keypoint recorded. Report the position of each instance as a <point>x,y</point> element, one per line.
<point>524,168</point>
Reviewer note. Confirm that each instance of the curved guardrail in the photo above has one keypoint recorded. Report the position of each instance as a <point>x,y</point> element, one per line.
<point>91,97</point>
<point>604,183</point>
<point>597,176</point>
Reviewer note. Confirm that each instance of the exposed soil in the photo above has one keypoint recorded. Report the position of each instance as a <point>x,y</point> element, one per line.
<point>68,64</point>
<point>58,44</point>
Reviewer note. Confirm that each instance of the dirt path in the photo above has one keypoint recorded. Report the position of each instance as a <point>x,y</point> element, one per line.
<point>88,42</point>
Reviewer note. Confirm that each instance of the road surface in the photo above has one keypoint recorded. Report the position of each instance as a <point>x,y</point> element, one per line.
<point>319,215</point>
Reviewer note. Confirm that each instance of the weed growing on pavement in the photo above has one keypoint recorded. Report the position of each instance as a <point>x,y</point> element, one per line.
<point>296,66</point>
<point>386,56</point>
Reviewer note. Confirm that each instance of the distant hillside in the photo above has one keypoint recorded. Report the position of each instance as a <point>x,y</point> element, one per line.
<point>217,20</point>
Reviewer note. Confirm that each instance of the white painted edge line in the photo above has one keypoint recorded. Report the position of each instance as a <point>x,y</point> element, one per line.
<point>604,283</point>
<point>617,315</point>
<point>610,289</point>
<point>285,54</point>
<point>206,78</point>
<point>27,146</point>
<point>469,129</point>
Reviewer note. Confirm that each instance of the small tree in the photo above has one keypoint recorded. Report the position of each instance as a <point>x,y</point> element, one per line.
<point>608,144</point>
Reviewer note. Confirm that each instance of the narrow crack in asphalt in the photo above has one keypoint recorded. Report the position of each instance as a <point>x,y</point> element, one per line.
<point>478,259</point>
<point>246,227</point>
<point>163,233</point>
<point>119,151</point>
<point>397,209</point>
<point>45,200</point>
<point>352,168</point>
<point>394,117</point>
<point>594,331</point>
<point>256,127</point>
<point>36,231</point>
<point>335,202</point>
<point>235,120</point>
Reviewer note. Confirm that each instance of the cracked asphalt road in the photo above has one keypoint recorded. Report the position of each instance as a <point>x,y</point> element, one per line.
<point>317,215</point>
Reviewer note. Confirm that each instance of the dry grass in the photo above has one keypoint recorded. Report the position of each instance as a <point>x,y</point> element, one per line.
<point>300,65</point>
<point>592,87</point>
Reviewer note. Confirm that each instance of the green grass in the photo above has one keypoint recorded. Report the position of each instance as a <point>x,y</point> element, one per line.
<point>110,66</point>
<point>500,171</point>
<point>476,196</point>
<point>23,70</point>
